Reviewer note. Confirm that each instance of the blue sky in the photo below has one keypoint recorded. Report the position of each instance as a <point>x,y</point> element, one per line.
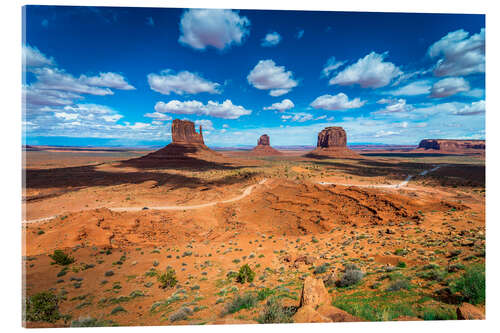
<point>118,76</point>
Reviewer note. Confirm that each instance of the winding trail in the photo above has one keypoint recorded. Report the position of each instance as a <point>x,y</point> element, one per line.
<point>391,186</point>
<point>246,192</point>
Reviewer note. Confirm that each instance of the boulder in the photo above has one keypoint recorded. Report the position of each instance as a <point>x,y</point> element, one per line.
<point>335,314</point>
<point>307,314</point>
<point>314,293</point>
<point>308,260</point>
<point>469,312</point>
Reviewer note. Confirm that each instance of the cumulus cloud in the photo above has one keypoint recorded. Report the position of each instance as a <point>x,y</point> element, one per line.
<point>158,116</point>
<point>271,39</point>
<point>459,54</point>
<point>369,72</point>
<point>393,105</point>
<point>205,123</point>
<point>449,86</point>
<point>267,76</point>
<point>32,57</point>
<point>219,28</point>
<point>109,79</point>
<point>337,102</point>
<point>422,87</point>
<point>331,65</point>
<point>284,105</point>
<point>473,109</point>
<point>226,110</point>
<point>183,82</point>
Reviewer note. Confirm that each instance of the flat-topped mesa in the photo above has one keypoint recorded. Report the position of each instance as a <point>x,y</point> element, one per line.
<point>332,142</point>
<point>333,136</point>
<point>183,132</point>
<point>451,145</point>
<point>264,147</point>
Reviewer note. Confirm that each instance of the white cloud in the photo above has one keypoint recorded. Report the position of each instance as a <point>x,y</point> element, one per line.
<point>284,105</point>
<point>267,76</point>
<point>219,28</point>
<point>112,118</point>
<point>393,105</point>
<point>226,110</point>
<point>110,80</point>
<point>205,123</point>
<point>66,116</point>
<point>473,109</point>
<point>422,87</point>
<point>271,39</point>
<point>158,116</point>
<point>477,93</point>
<point>459,54</point>
<point>225,126</point>
<point>369,72</point>
<point>56,79</point>
<point>449,86</point>
<point>384,133</point>
<point>183,82</point>
<point>331,65</point>
<point>32,57</point>
<point>298,117</point>
<point>337,102</point>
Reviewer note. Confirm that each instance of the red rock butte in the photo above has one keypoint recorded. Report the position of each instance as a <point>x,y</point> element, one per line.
<point>187,146</point>
<point>449,145</point>
<point>264,148</point>
<point>332,142</point>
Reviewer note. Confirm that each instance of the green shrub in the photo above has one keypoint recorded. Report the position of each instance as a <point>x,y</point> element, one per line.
<point>472,285</point>
<point>398,285</point>
<point>61,258</point>
<point>247,301</point>
<point>118,309</point>
<point>91,322</point>
<point>401,264</point>
<point>264,293</point>
<point>321,269</point>
<point>351,276</point>
<point>181,314</point>
<point>43,306</point>
<point>167,279</point>
<point>245,274</point>
<point>275,312</point>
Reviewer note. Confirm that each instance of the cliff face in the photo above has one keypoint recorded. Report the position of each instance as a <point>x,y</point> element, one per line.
<point>332,142</point>
<point>263,140</point>
<point>263,147</point>
<point>183,132</point>
<point>452,145</point>
<point>332,137</point>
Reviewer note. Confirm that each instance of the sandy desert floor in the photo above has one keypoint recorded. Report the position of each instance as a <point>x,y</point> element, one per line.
<point>125,224</point>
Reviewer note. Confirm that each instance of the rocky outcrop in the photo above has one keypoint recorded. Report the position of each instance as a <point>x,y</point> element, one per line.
<point>469,312</point>
<point>332,142</point>
<point>264,148</point>
<point>183,132</point>
<point>452,145</point>
<point>187,148</point>
<point>315,305</point>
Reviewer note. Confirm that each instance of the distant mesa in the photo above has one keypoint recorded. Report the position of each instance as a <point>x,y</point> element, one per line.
<point>332,142</point>
<point>187,147</point>
<point>449,145</point>
<point>264,148</point>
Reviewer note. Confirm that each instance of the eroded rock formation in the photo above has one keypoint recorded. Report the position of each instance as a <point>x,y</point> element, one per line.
<point>264,147</point>
<point>183,132</point>
<point>452,145</point>
<point>332,142</point>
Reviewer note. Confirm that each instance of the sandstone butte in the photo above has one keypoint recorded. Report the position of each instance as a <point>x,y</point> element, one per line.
<point>448,145</point>
<point>264,148</point>
<point>332,142</point>
<point>187,146</point>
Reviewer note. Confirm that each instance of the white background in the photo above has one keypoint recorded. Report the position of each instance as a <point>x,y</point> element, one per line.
<point>10,144</point>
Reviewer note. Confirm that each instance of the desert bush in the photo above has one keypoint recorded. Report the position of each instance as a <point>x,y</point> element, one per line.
<point>245,274</point>
<point>275,312</point>
<point>321,269</point>
<point>398,285</point>
<point>351,276</point>
<point>118,309</point>
<point>167,279</point>
<point>43,306</point>
<point>472,284</point>
<point>180,314</point>
<point>61,258</point>
<point>246,301</point>
<point>91,322</point>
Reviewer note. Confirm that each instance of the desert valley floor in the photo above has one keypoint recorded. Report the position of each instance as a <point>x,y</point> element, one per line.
<point>412,223</point>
